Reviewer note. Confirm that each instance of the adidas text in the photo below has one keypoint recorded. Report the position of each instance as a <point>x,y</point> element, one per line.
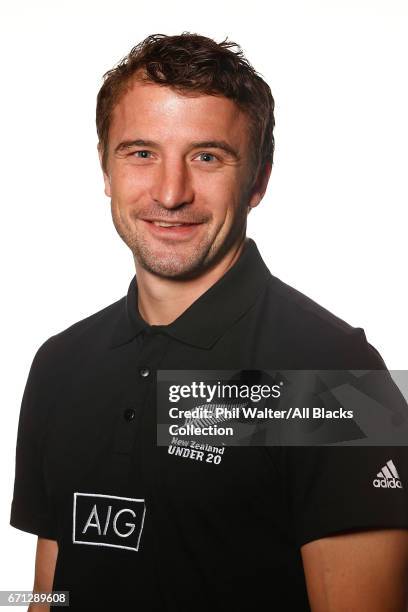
<point>383,483</point>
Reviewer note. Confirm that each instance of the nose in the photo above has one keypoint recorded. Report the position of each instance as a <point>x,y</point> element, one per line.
<point>172,186</point>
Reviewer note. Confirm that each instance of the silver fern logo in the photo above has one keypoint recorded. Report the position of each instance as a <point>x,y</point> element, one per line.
<point>215,414</point>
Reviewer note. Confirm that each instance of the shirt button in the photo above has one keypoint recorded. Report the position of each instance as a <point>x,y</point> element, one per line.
<point>129,414</point>
<point>144,372</point>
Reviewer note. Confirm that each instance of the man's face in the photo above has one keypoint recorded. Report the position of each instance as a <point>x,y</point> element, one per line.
<point>178,173</point>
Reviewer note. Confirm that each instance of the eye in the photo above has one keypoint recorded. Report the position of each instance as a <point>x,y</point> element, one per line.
<point>143,154</point>
<point>207,157</point>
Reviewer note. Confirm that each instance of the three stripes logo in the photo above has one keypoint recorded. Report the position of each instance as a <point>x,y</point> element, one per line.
<point>388,477</point>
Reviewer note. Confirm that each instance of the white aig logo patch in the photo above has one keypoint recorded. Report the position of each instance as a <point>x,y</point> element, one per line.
<point>108,520</point>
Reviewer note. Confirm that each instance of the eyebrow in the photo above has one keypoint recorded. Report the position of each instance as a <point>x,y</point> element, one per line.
<point>205,144</point>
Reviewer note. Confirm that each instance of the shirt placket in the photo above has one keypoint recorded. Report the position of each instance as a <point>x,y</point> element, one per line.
<point>143,383</point>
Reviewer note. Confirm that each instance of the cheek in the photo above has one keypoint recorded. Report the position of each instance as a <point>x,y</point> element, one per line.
<point>127,185</point>
<point>218,191</point>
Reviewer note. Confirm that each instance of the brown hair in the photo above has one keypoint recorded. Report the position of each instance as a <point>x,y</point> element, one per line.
<point>193,63</point>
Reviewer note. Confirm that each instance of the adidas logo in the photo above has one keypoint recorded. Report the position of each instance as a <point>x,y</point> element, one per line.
<point>388,477</point>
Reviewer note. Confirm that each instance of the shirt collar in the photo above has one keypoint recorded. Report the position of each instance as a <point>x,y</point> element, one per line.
<point>209,317</point>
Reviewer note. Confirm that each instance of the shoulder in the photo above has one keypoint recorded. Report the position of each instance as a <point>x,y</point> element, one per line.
<point>85,337</point>
<point>295,309</point>
<point>317,337</point>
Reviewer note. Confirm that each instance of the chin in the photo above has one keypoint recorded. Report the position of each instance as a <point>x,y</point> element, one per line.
<point>177,264</point>
<point>166,269</point>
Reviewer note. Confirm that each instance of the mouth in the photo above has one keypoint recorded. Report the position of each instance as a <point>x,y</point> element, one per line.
<point>171,229</point>
<point>164,224</point>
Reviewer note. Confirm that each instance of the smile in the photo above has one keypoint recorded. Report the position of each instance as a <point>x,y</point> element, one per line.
<point>163,224</point>
<point>172,230</point>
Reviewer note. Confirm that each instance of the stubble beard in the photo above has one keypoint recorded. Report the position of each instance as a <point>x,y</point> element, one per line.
<point>175,262</point>
<point>180,262</point>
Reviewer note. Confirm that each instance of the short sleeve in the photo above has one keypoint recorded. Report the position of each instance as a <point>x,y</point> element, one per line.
<point>334,490</point>
<point>337,489</point>
<point>30,509</point>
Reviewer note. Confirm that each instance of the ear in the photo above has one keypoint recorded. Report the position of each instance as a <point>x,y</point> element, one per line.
<point>106,176</point>
<point>260,185</point>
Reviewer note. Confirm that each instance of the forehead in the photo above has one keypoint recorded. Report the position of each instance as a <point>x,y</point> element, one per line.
<point>159,112</point>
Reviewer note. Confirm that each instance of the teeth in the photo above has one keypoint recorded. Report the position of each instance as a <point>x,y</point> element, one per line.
<point>160,224</point>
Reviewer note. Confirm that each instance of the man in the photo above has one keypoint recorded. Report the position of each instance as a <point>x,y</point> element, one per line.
<point>186,146</point>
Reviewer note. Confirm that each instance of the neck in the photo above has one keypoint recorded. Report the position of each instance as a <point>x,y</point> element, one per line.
<point>162,300</point>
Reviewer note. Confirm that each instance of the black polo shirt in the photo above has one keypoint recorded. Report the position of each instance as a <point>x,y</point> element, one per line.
<point>137,525</point>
